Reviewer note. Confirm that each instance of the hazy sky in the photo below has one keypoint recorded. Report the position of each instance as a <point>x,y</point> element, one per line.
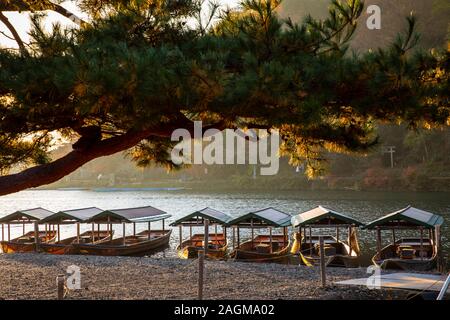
<point>21,21</point>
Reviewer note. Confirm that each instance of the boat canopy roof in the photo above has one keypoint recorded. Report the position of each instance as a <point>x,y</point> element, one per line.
<point>198,218</point>
<point>407,217</point>
<point>140,214</point>
<point>321,216</point>
<point>72,216</point>
<point>30,215</point>
<point>269,217</point>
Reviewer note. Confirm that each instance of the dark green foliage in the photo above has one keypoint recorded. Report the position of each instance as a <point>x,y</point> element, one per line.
<point>144,66</point>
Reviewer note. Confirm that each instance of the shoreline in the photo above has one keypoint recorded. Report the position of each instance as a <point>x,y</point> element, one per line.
<point>33,276</point>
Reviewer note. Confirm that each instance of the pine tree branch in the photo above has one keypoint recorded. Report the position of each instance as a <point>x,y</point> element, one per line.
<point>66,13</point>
<point>14,33</point>
<point>19,5</point>
<point>53,171</point>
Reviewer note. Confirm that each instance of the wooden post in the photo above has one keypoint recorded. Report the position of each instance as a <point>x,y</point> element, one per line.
<point>201,270</point>
<point>238,237</point>
<point>78,232</point>
<point>98,230</point>
<point>287,236</point>
<point>310,241</point>
<point>323,278</point>
<point>378,242</point>
<point>190,231</point>
<point>253,233</point>
<point>93,231</point>
<point>59,233</point>
<point>270,237</point>
<point>234,237</point>
<point>393,237</point>
<point>109,227</point>
<point>180,228</point>
<point>215,229</point>
<point>36,236</point>
<point>149,230</point>
<point>300,233</point>
<point>23,228</point>
<point>164,224</point>
<point>350,239</point>
<point>124,233</point>
<point>337,234</point>
<point>421,243</point>
<point>206,240</point>
<point>60,279</point>
<point>437,232</point>
<point>134,228</point>
<point>3,232</point>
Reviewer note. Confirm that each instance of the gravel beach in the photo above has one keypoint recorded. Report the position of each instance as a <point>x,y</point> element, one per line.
<point>33,276</point>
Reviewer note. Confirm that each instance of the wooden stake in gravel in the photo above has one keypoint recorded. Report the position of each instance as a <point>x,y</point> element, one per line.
<point>60,279</point>
<point>201,267</point>
<point>323,277</point>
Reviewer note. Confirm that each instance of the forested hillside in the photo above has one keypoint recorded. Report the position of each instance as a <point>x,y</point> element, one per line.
<point>433,20</point>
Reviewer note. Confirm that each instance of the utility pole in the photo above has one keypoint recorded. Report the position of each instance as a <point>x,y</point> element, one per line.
<point>391,150</point>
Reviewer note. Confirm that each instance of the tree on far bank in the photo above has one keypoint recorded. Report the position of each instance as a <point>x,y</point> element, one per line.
<point>136,70</point>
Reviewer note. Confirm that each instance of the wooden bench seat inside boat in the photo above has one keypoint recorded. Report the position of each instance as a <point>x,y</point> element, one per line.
<point>406,252</point>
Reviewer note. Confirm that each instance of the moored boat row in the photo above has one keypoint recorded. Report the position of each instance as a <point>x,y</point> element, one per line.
<point>96,241</point>
<point>341,246</point>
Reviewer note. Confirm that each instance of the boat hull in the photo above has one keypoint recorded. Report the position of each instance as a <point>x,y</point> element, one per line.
<point>244,252</point>
<point>26,242</point>
<point>415,265</point>
<point>389,259</point>
<point>189,249</point>
<point>66,246</point>
<point>135,245</point>
<point>345,258</point>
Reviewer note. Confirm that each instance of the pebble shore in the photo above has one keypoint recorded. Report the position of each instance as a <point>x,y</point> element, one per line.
<point>33,276</point>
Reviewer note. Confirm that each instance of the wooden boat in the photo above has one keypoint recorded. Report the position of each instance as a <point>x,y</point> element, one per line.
<point>407,254</point>
<point>65,246</point>
<point>412,253</point>
<point>260,250</point>
<point>137,245</point>
<point>27,242</point>
<point>263,247</point>
<point>205,218</point>
<point>217,246</point>
<point>337,253</point>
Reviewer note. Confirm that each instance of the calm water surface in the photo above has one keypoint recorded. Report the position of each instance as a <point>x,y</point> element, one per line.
<point>364,206</point>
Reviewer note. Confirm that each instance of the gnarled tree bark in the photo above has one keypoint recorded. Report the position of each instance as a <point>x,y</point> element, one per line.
<point>51,172</point>
<point>19,5</point>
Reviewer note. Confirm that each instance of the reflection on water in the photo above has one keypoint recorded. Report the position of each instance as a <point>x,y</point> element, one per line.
<point>364,206</point>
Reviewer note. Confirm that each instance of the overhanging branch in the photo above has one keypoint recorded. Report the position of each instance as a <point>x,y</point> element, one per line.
<point>14,33</point>
<point>51,172</point>
<point>19,5</point>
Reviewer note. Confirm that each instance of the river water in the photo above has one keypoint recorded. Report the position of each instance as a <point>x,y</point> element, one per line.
<point>364,206</point>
